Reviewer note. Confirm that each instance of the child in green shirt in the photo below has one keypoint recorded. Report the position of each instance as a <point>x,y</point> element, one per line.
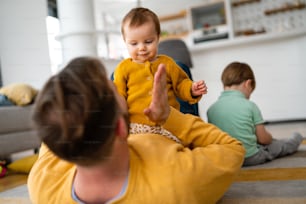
<point>235,114</point>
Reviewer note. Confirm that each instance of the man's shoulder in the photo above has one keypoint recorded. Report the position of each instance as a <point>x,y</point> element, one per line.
<point>47,169</point>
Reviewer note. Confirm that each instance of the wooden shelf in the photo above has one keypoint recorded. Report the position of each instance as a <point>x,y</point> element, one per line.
<point>181,14</point>
<point>253,39</point>
<point>241,2</point>
<point>249,32</point>
<point>285,8</point>
<point>174,36</point>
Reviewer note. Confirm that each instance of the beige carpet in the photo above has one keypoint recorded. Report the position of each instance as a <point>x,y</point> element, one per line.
<point>282,181</point>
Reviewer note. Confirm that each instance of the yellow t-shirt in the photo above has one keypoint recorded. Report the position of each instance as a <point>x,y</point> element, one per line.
<point>161,171</point>
<point>134,81</point>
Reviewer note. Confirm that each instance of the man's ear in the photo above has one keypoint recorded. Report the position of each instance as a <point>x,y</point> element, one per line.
<point>121,128</point>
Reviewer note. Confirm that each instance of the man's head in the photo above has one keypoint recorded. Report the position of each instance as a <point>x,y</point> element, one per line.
<point>141,31</point>
<point>76,112</point>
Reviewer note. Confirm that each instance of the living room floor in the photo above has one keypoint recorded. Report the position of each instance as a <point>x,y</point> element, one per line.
<point>15,188</point>
<point>285,129</point>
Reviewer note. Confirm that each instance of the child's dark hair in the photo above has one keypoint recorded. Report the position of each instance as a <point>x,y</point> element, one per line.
<point>237,72</point>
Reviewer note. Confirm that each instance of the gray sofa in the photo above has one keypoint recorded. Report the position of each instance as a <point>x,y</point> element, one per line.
<point>16,132</point>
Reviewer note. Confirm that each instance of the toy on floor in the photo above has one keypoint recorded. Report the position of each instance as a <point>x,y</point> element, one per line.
<point>3,169</point>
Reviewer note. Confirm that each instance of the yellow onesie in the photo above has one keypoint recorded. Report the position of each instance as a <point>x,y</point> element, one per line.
<point>134,82</point>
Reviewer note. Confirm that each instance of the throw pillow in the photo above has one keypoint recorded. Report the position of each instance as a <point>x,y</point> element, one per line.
<point>19,93</point>
<point>23,165</point>
<point>4,101</point>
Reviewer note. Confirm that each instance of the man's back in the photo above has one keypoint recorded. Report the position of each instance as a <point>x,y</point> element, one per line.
<point>160,169</point>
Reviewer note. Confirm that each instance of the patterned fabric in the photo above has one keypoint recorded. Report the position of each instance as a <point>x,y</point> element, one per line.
<point>136,128</point>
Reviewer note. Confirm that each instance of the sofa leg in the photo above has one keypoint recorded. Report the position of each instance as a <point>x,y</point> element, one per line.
<point>6,159</point>
<point>36,150</point>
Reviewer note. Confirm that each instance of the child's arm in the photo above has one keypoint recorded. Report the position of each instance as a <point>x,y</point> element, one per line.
<point>263,136</point>
<point>198,88</point>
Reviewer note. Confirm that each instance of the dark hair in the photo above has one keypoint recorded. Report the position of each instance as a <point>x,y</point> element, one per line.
<point>237,72</point>
<point>138,16</point>
<point>75,112</point>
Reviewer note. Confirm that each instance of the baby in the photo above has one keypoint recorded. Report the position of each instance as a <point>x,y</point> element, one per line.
<point>134,76</point>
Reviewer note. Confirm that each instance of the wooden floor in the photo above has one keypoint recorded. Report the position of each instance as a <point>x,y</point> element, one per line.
<point>12,181</point>
<point>285,130</point>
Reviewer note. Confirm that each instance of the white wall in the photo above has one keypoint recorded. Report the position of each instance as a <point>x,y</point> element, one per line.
<point>279,66</point>
<point>118,8</point>
<point>280,71</point>
<point>23,42</point>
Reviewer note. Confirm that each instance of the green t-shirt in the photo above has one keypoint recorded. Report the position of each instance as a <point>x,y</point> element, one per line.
<point>238,116</point>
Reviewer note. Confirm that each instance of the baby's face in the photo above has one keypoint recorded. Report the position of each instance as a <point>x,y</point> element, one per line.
<point>142,42</point>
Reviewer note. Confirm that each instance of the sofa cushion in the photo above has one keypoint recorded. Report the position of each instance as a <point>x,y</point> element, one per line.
<point>18,142</point>
<point>15,118</point>
<point>19,93</point>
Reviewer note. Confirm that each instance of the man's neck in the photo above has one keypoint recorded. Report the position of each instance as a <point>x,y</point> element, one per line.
<point>102,182</point>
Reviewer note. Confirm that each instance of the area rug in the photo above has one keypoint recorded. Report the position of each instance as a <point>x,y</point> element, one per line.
<point>281,181</point>
<point>17,192</point>
<point>15,201</point>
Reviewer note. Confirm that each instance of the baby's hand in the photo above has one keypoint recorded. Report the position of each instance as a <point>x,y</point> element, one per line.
<point>198,88</point>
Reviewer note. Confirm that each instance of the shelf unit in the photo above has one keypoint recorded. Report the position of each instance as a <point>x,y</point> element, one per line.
<point>241,2</point>
<point>181,14</point>
<point>268,37</point>
<point>174,25</point>
<point>250,21</point>
<point>246,21</point>
<point>285,8</point>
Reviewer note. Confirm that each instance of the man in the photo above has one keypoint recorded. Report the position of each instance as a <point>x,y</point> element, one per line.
<point>88,156</point>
